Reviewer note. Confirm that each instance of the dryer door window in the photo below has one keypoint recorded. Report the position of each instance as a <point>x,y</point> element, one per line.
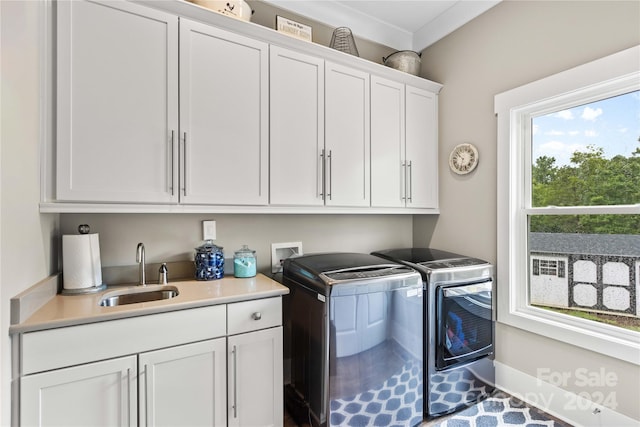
<point>465,323</point>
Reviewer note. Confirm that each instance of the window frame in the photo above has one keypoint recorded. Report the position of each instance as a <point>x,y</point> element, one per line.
<point>603,78</point>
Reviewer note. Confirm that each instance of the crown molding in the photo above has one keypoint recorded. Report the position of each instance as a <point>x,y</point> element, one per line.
<point>337,14</point>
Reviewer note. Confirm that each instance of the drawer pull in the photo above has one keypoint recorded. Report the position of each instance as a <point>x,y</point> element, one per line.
<point>256,316</point>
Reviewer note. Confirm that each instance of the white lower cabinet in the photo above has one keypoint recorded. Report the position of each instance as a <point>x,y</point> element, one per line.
<point>254,352</point>
<point>255,378</point>
<point>184,385</point>
<point>211,366</point>
<point>94,394</point>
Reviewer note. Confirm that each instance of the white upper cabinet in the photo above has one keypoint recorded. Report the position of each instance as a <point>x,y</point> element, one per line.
<point>404,146</point>
<point>388,166</point>
<point>117,108</point>
<point>347,143</point>
<point>422,148</point>
<point>169,107</point>
<point>224,113</point>
<point>297,128</point>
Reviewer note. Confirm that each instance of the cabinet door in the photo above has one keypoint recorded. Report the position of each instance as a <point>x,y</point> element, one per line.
<point>297,128</point>
<point>224,101</point>
<point>184,385</point>
<point>422,148</point>
<point>347,142</point>
<point>95,394</point>
<point>255,378</point>
<point>388,169</point>
<point>117,95</point>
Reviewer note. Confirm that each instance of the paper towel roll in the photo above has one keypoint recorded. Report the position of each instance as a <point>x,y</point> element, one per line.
<point>81,266</point>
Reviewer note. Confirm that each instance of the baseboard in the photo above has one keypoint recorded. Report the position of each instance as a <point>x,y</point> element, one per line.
<point>560,403</point>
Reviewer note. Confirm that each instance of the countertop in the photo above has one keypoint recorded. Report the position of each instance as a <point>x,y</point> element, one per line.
<point>70,310</point>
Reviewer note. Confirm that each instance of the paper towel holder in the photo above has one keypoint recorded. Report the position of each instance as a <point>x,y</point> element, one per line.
<point>83,229</point>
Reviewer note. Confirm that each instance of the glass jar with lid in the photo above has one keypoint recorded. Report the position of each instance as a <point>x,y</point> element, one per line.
<point>244,262</point>
<point>209,260</point>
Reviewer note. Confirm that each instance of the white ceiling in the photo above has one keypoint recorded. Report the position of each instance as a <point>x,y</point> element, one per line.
<point>400,24</point>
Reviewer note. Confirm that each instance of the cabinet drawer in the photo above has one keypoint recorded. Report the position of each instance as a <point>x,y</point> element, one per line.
<point>73,345</point>
<point>253,315</point>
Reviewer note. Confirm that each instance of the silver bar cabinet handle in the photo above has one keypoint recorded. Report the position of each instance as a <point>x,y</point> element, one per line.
<point>330,174</point>
<point>322,173</point>
<point>410,182</point>
<point>126,395</point>
<point>403,185</point>
<point>184,164</point>
<point>235,384</point>
<point>171,170</point>
<point>148,399</point>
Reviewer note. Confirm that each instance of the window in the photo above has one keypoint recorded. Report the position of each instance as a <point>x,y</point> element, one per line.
<point>547,267</point>
<point>569,204</point>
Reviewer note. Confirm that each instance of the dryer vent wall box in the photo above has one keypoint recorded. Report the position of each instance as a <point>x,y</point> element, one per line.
<point>282,251</point>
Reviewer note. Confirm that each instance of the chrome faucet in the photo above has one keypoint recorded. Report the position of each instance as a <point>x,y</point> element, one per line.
<point>140,261</point>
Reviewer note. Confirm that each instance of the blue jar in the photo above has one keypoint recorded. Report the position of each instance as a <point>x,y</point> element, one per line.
<point>244,262</point>
<point>209,260</point>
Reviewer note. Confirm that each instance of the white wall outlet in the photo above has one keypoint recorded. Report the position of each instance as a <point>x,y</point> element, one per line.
<point>208,230</point>
<point>282,251</point>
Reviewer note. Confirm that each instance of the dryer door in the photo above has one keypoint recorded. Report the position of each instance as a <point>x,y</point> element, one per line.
<point>464,323</point>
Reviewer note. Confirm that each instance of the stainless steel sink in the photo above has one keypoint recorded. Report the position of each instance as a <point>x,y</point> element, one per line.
<point>138,294</point>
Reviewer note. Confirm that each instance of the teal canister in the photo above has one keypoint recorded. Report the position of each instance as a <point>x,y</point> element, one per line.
<point>244,262</point>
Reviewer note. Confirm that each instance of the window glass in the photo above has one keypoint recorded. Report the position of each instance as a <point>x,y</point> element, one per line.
<point>586,266</point>
<point>587,155</point>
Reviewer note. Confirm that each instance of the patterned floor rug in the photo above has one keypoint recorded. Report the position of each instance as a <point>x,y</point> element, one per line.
<point>500,409</point>
<point>396,402</point>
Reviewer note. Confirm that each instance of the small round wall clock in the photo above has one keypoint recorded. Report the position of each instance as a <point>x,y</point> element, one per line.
<point>463,158</point>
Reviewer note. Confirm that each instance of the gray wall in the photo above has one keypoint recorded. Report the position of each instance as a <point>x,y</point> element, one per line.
<point>27,238</point>
<point>512,44</point>
<point>173,237</point>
